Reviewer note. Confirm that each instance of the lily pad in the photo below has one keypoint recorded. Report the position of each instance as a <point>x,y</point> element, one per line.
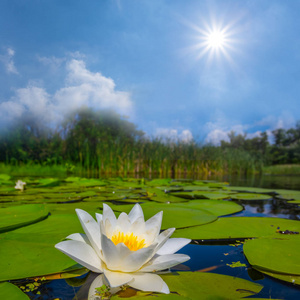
<point>29,251</point>
<point>279,254</point>
<point>209,285</point>
<point>295,279</point>
<point>237,227</point>
<point>11,292</point>
<point>250,196</point>
<point>201,195</point>
<point>250,189</point>
<point>216,207</point>
<point>18,216</point>
<point>173,215</point>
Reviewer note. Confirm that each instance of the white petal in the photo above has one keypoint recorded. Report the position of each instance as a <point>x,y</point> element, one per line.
<point>91,229</point>
<point>108,214</point>
<point>138,227</point>
<point>98,282</point>
<point>123,223</point>
<point>163,237</point>
<point>172,245</point>
<point>162,262</point>
<point>149,282</point>
<point>136,213</point>
<point>153,227</point>
<point>79,237</point>
<point>117,278</point>
<point>106,228</point>
<point>114,255</point>
<point>82,254</point>
<point>136,259</point>
<point>120,258</point>
<point>98,218</point>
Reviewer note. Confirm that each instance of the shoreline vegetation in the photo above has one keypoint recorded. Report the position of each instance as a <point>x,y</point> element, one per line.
<point>102,143</point>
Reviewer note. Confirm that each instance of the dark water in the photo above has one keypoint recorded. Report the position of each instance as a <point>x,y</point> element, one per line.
<point>214,257</point>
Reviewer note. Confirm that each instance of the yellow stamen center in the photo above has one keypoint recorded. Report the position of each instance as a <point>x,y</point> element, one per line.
<point>133,242</point>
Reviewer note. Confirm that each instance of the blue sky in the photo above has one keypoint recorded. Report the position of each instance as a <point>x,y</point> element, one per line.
<point>150,60</point>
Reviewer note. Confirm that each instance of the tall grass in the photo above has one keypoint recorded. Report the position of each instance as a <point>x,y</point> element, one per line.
<point>147,158</point>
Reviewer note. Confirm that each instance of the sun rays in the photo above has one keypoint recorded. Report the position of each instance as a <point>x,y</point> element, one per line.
<point>213,41</point>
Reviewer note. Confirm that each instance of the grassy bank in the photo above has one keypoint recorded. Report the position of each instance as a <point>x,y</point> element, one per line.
<point>287,169</point>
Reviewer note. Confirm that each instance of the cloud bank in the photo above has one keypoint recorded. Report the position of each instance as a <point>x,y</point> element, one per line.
<point>82,88</point>
<point>173,135</point>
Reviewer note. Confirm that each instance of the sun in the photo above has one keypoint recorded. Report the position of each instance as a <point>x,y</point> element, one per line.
<point>216,39</point>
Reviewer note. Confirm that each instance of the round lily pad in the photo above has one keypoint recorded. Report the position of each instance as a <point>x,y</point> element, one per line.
<point>238,227</point>
<point>11,292</point>
<point>18,216</point>
<point>29,251</point>
<point>216,207</point>
<point>206,286</point>
<point>250,196</point>
<point>201,195</point>
<point>295,279</point>
<point>173,215</point>
<point>279,254</point>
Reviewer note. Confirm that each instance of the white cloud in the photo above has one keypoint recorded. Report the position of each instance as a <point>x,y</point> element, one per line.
<point>219,130</point>
<point>186,136</point>
<point>173,135</point>
<point>216,136</point>
<point>7,60</point>
<point>82,88</point>
<point>285,120</point>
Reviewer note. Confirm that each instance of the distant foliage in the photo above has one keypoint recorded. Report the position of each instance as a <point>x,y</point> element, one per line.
<point>106,142</point>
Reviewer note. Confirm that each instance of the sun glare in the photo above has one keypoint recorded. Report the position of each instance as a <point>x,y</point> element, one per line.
<point>216,39</point>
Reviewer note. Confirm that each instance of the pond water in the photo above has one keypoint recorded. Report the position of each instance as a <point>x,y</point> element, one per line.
<point>220,218</point>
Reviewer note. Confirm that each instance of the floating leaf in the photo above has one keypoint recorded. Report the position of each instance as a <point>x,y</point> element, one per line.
<point>237,227</point>
<point>11,292</point>
<point>29,251</point>
<point>295,279</point>
<point>216,207</point>
<point>201,195</point>
<point>279,254</point>
<point>250,196</point>
<point>18,216</point>
<point>174,215</point>
<point>188,285</point>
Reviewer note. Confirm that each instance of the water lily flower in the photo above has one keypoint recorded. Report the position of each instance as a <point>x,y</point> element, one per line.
<point>127,250</point>
<point>20,185</point>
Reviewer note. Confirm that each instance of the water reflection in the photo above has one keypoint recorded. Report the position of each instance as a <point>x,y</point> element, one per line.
<point>269,208</point>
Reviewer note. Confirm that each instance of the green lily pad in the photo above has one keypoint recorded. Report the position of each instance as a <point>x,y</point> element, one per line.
<point>11,292</point>
<point>216,207</point>
<point>250,189</point>
<point>295,279</point>
<point>29,251</point>
<point>173,215</point>
<point>201,195</point>
<point>69,208</point>
<point>209,285</point>
<point>47,182</point>
<point>250,196</point>
<point>18,216</point>
<point>288,194</point>
<point>238,227</point>
<point>279,254</point>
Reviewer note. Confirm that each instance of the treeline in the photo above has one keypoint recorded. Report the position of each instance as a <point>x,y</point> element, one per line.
<point>285,148</point>
<point>106,142</point>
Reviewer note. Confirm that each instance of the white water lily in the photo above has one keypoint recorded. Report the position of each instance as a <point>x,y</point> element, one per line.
<point>20,185</point>
<point>127,250</point>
